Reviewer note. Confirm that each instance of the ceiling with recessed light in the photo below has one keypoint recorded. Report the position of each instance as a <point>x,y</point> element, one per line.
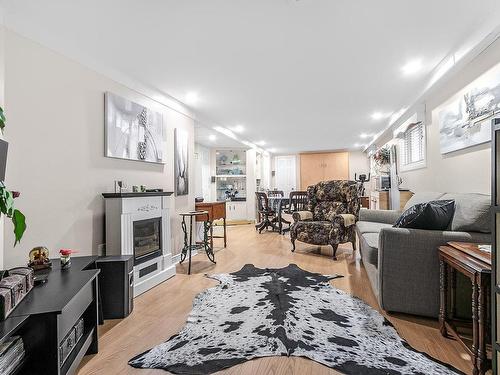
<point>298,75</point>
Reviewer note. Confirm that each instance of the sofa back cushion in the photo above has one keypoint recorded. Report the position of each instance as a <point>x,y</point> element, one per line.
<point>433,215</point>
<point>423,197</point>
<point>472,212</point>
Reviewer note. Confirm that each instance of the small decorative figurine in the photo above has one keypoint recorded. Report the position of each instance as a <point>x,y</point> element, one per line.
<point>39,258</point>
<point>135,189</point>
<point>66,257</point>
<point>143,188</point>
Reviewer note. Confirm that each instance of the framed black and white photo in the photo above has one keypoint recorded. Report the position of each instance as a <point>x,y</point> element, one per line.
<point>465,121</point>
<point>181,161</point>
<point>133,131</point>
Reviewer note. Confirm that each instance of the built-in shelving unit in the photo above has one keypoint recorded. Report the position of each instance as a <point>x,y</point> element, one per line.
<point>495,258</point>
<point>230,178</point>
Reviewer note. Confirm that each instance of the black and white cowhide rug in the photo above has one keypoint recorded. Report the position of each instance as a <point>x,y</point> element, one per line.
<point>257,312</point>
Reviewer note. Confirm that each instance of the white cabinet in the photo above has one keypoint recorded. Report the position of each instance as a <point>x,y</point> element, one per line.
<point>236,211</point>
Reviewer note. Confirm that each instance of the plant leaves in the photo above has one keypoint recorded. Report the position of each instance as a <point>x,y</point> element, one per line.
<point>2,119</point>
<point>8,199</point>
<point>19,221</point>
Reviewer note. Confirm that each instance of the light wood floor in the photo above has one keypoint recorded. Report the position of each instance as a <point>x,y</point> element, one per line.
<point>162,311</point>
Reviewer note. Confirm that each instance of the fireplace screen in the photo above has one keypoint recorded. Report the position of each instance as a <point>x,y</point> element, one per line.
<point>147,239</point>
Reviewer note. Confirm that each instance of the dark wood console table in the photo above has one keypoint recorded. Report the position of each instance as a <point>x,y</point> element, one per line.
<point>475,265</point>
<point>45,316</point>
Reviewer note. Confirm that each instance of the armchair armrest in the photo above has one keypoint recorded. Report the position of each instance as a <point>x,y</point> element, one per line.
<point>346,220</point>
<point>408,267</point>
<point>302,216</point>
<point>379,216</point>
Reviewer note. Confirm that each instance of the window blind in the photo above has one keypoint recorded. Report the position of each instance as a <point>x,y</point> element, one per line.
<point>413,144</point>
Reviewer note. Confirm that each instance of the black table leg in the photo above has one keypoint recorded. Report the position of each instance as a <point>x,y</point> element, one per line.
<point>190,242</point>
<point>209,250</point>
<point>185,248</point>
<point>224,219</point>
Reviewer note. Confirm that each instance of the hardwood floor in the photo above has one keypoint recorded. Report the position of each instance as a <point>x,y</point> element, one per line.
<point>162,311</point>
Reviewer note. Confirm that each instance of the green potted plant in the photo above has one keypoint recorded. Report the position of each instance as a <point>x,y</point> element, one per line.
<point>7,199</point>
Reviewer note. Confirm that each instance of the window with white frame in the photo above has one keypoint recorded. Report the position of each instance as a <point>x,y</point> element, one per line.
<point>413,146</point>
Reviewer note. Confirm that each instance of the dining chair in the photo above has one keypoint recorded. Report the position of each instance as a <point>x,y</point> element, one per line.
<point>266,214</point>
<point>297,202</point>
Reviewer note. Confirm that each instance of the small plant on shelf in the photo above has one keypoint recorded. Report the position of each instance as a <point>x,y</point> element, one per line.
<point>7,199</point>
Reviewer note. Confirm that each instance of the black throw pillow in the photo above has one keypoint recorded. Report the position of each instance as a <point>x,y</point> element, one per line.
<point>433,215</point>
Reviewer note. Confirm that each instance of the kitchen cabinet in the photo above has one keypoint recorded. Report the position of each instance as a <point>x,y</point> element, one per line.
<point>379,200</point>
<point>236,211</point>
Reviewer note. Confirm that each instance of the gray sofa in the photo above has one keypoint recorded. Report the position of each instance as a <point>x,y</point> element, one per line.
<point>402,264</point>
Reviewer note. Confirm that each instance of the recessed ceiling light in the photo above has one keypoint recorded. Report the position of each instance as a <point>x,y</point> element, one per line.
<point>192,98</point>
<point>238,128</point>
<point>273,150</point>
<point>212,137</point>
<point>261,143</point>
<point>380,115</point>
<point>364,135</point>
<point>412,67</point>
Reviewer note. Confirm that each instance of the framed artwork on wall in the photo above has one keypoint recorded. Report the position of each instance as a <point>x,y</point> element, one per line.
<point>132,131</point>
<point>181,161</point>
<point>466,120</point>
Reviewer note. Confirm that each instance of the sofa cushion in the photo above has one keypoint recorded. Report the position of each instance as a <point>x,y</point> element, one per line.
<point>433,215</point>
<point>370,226</point>
<point>472,212</point>
<point>369,248</point>
<point>423,197</point>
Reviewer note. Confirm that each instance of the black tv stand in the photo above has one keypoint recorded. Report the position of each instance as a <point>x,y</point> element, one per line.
<point>49,312</point>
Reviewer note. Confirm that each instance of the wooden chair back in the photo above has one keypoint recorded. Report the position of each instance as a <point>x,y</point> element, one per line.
<point>276,193</point>
<point>262,201</point>
<point>298,201</point>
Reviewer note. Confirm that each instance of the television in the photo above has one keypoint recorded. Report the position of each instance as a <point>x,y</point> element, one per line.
<point>3,158</point>
<point>382,183</point>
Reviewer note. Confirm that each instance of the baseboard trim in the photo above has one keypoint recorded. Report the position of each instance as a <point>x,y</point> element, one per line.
<point>177,258</point>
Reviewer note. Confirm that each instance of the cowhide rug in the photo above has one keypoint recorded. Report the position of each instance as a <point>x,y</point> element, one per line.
<point>257,312</point>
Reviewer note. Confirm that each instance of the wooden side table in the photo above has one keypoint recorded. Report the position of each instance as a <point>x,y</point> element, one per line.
<point>471,262</point>
<point>216,210</point>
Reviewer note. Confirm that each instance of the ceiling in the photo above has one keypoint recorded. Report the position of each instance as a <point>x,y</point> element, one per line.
<point>208,137</point>
<point>300,75</point>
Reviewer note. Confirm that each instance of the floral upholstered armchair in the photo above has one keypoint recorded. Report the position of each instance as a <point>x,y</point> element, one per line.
<point>333,210</point>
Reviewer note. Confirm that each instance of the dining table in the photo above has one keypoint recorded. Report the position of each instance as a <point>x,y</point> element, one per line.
<point>278,204</point>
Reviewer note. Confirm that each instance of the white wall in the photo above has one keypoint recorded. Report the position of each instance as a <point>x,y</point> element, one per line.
<point>358,163</point>
<point>56,157</point>
<point>202,175</point>
<point>467,170</point>
<point>2,104</point>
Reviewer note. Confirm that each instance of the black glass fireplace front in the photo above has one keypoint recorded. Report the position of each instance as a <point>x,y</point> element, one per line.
<point>147,239</point>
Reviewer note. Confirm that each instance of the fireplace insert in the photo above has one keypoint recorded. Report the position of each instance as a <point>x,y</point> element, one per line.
<point>147,239</point>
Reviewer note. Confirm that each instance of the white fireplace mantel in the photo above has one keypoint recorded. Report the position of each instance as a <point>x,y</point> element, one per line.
<point>122,209</point>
